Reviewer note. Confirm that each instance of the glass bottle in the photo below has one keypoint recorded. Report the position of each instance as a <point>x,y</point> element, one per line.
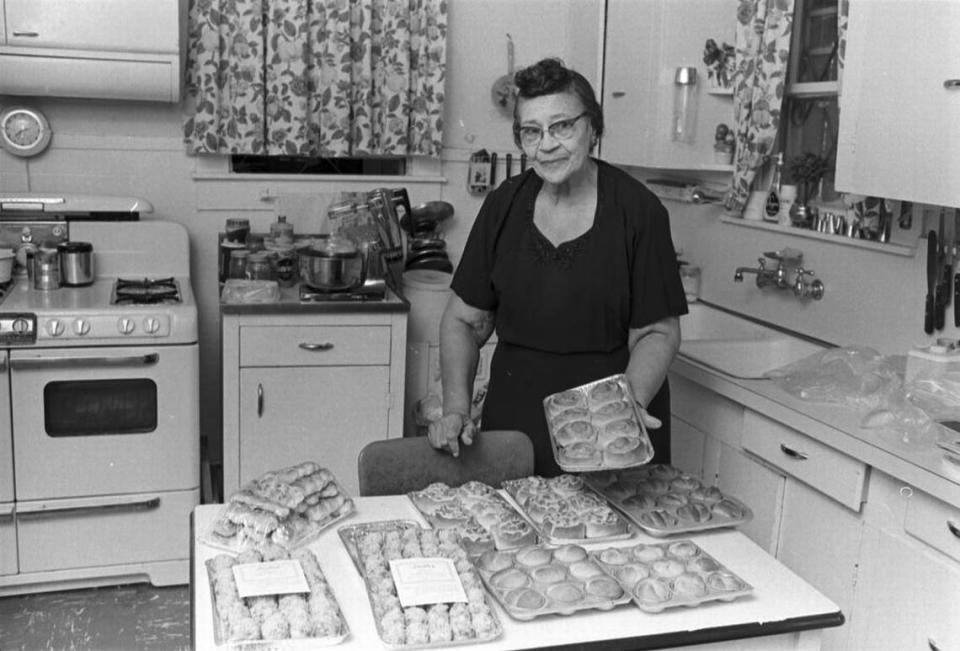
<point>281,231</point>
<point>238,263</point>
<point>771,208</point>
<point>684,120</point>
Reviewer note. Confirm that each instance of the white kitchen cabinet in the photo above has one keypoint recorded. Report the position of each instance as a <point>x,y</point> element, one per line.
<point>113,49</point>
<point>907,596</point>
<point>644,45</point>
<point>301,386</point>
<point>806,497</point>
<point>898,134</point>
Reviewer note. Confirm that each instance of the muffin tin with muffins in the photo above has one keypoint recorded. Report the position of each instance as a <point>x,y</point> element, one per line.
<point>482,517</point>
<point>373,545</point>
<point>597,426</point>
<point>666,575</point>
<point>663,500</point>
<point>563,509</point>
<point>542,580</point>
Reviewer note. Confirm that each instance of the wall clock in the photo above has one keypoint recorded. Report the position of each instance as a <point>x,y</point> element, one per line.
<point>24,131</point>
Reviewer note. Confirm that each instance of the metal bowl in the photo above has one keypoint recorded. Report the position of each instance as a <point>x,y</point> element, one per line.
<point>332,266</point>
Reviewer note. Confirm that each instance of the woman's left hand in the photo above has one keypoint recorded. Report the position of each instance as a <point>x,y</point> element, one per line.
<point>650,422</point>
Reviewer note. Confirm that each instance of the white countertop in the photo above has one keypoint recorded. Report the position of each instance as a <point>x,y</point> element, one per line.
<point>781,603</point>
<point>919,464</point>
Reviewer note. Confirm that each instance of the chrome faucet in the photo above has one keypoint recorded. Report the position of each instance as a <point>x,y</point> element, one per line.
<point>780,277</point>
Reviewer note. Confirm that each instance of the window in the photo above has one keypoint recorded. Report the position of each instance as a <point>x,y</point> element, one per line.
<point>378,166</point>
<point>810,109</point>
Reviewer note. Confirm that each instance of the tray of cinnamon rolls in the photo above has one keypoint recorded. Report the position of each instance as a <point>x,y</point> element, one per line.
<point>289,507</point>
<point>483,519</point>
<point>597,426</point>
<point>563,509</point>
<point>663,500</point>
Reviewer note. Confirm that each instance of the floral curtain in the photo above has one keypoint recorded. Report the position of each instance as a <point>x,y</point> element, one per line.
<point>843,10</point>
<point>316,78</point>
<point>762,52</point>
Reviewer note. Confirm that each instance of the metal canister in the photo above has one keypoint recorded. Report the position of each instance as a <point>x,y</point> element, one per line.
<point>46,265</point>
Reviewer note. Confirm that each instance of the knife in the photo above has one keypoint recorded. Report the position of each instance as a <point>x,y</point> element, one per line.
<point>509,166</point>
<point>956,276</point>
<point>931,282</point>
<point>493,170</point>
<point>944,273</point>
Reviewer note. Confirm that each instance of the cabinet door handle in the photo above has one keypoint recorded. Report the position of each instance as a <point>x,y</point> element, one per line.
<point>618,93</point>
<point>954,529</point>
<point>317,347</point>
<point>26,34</point>
<point>950,84</point>
<point>790,452</point>
<point>932,644</point>
<point>259,400</point>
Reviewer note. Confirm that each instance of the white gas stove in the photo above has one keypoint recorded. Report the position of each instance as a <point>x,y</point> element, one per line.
<point>99,406</point>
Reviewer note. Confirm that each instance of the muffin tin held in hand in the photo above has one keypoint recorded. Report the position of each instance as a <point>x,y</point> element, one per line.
<point>597,426</point>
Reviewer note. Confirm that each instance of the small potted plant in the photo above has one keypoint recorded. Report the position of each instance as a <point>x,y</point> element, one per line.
<point>806,170</point>
<point>720,63</point>
<point>723,144</point>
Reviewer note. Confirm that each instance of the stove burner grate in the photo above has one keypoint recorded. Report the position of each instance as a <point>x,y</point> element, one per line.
<point>130,291</point>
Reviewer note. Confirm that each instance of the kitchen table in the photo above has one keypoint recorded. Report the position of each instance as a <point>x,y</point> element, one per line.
<point>782,612</point>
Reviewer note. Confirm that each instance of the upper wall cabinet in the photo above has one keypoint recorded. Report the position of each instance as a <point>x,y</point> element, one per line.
<point>110,49</point>
<point>644,45</point>
<point>900,102</point>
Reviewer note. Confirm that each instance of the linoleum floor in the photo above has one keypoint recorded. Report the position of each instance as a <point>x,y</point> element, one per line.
<point>116,618</point>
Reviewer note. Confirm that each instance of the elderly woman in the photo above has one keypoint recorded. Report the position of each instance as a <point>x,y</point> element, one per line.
<point>573,265</point>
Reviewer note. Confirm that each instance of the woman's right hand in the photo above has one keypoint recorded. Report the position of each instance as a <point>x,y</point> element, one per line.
<point>449,431</point>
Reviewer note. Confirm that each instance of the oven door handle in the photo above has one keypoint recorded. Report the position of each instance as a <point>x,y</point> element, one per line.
<point>83,362</point>
<point>84,506</point>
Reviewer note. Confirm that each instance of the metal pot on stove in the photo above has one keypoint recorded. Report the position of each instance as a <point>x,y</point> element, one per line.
<point>332,263</point>
<point>76,263</point>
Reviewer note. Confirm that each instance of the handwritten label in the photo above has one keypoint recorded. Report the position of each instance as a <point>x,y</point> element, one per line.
<point>272,577</point>
<point>422,581</point>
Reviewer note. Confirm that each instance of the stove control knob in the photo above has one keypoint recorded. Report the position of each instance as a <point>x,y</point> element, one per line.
<point>151,324</point>
<point>126,326</point>
<point>81,327</point>
<point>55,327</point>
<point>21,326</point>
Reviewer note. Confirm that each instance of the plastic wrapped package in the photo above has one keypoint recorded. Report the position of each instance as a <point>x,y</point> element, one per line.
<point>250,291</point>
<point>853,375</point>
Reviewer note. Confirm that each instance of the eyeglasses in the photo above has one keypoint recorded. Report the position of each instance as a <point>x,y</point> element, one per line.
<point>559,130</point>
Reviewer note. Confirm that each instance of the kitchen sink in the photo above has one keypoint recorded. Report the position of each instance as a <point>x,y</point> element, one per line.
<point>737,346</point>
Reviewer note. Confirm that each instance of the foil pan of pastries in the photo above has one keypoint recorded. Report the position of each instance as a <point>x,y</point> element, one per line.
<point>288,621</point>
<point>539,580</point>
<point>482,517</point>
<point>597,426</point>
<point>665,575</point>
<point>373,545</point>
<point>289,507</point>
<point>563,509</point>
<point>662,500</point>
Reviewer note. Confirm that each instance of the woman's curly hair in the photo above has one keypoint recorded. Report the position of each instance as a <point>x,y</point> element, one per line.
<point>549,77</point>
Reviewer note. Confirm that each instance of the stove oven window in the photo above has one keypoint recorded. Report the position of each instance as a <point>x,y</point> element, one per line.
<point>98,407</point>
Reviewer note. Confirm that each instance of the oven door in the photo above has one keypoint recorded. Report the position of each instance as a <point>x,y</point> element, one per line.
<point>99,421</point>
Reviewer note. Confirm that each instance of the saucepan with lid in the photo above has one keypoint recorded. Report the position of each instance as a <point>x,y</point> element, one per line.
<point>332,263</point>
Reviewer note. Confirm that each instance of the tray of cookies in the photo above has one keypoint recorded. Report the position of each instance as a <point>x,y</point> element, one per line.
<point>482,517</point>
<point>301,620</point>
<point>289,507</point>
<point>563,509</point>
<point>662,500</point>
<point>540,580</point>
<point>666,575</point>
<point>597,426</point>
<point>375,544</point>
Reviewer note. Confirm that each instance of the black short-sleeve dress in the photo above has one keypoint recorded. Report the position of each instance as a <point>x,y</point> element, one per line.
<point>563,313</point>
